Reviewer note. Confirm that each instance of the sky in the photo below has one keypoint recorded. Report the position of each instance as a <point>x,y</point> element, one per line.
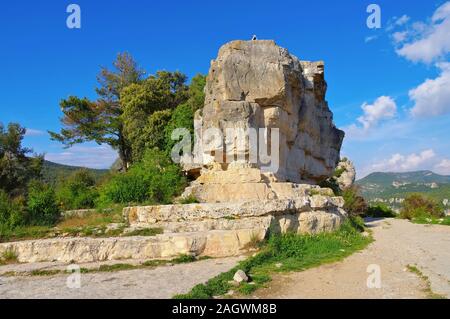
<point>388,87</point>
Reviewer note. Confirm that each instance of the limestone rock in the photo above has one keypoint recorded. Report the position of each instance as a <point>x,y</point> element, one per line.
<point>240,276</point>
<point>257,84</point>
<point>347,174</point>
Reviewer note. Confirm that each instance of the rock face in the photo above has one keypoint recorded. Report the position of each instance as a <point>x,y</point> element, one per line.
<point>257,84</point>
<point>347,174</point>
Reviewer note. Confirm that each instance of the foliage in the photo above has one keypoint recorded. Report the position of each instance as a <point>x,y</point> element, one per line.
<point>332,184</point>
<point>183,115</point>
<point>355,205</point>
<point>293,252</point>
<point>100,120</point>
<point>11,213</point>
<point>77,191</point>
<point>148,232</point>
<point>191,199</point>
<point>9,256</point>
<point>16,168</point>
<point>42,206</point>
<point>156,107</point>
<point>380,211</point>
<point>417,205</point>
<point>155,179</point>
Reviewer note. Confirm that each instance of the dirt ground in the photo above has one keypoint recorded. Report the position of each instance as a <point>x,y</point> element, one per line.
<point>158,283</point>
<point>398,243</point>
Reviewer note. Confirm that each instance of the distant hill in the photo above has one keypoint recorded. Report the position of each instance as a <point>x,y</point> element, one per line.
<point>392,187</point>
<point>52,171</point>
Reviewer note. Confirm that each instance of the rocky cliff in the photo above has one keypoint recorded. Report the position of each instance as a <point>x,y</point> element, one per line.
<point>257,84</point>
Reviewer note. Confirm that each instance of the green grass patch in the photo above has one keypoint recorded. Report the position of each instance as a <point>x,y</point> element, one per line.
<point>45,272</point>
<point>283,253</point>
<point>9,256</point>
<point>430,220</point>
<point>144,232</point>
<point>427,290</point>
<point>24,233</point>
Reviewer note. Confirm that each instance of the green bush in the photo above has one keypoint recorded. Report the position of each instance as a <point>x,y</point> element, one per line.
<point>379,211</point>
<point>11,213</point>
<point>77,191</point>
<point>42,206</point>
<point>355,204</point>
<point>155,179</point>
<point>416,206</point>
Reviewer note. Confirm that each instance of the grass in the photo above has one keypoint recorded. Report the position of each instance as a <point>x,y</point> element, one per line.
<point>427,290</point>
<point>144,232</point>
<point>9,256</point>
<point>92,225</point>
<point>191,199</point>
<point>294,253</point>
<point>24,233</point>
<point>432,220</point>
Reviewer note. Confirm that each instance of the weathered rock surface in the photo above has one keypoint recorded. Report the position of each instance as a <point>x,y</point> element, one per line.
<point>257,84</point>
<point>347,174</point>
<point>240,276</point>
<point>213,243</point>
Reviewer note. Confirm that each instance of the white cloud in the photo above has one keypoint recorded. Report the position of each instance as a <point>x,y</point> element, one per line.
<point>401,163</point>
<point>402,20</point>
<point>33,132</point>
<point>370,38</point>
<point>443,167</point>
<point>400,37</point>
<point>432,97</point>
<point>101,156</point>
<point>383,108</point>
<point>430,41</point>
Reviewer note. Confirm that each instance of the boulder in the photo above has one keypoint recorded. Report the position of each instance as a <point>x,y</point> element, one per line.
<point>346,174</point>
<point>240,276</point>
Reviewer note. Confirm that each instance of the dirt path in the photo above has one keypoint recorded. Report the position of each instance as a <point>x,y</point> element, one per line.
<point>161,282</point>
<point>398,243</point>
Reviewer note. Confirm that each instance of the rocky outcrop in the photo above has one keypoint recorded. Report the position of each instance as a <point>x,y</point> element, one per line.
<point>257,84</point>
<point>303,215</point>
<point>346,174</point>
<point>213,243</point>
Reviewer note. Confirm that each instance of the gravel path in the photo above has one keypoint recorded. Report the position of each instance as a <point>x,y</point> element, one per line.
<point>161,282</point>
<point>398,243</point>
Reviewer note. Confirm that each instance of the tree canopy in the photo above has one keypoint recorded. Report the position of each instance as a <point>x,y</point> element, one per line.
<point>16,167</point>
<point>100,121</point>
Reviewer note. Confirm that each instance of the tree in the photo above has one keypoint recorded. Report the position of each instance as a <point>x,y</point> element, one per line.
<point>100,121</point>
<point>16,168</point>
<point>147,109</point>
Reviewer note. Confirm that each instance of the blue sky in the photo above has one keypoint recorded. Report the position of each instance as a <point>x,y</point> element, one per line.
<point>389,88</point>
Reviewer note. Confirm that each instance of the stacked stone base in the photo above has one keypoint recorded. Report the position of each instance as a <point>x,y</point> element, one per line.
<point>204,229</point>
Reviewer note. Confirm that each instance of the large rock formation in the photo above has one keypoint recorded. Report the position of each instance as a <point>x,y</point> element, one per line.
<point>251,85</point>
<point>257,84</point>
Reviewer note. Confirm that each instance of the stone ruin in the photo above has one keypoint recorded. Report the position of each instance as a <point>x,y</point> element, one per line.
<point>252,84</point>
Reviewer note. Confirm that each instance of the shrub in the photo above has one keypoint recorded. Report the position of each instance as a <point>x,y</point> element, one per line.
<point>417,205</point>
<point>355,204</point>
<point>11,212</point>
<point>155,179</point>
<point>380,210</point>
<point>77,191</point>
<point>42,205</point>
